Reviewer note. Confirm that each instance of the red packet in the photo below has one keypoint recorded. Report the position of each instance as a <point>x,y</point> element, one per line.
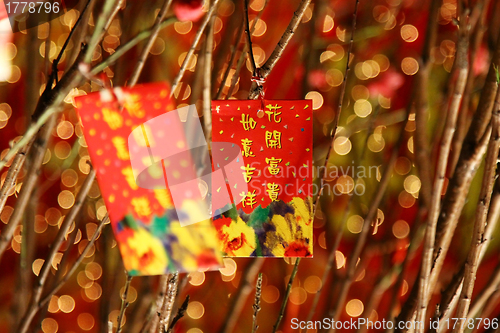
<point>145,222</point>
<point>274,217</point>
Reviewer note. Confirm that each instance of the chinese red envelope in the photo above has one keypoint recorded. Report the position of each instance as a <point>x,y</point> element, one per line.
<point>274,217</point>
<point>119,130</point>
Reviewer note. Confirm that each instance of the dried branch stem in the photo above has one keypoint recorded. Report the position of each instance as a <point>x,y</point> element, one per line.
<point>333,131</point>
<point>370,216</point>
<point>149,44</point>
<point>179,314</point>
<point>40,146</point>
<point>231,61</point>
<point>196,40</point>
<point>249,39</point>
<point>241,294</point>
<point>492,286</point>
<point>76,264</point>
<point>462,66</point>
<point>168,303</point>
<point>160,298</point>
<point>243,55</point>
<point>287,294</point>
<point>256,304</point>
<point>34,305</point>
<point>422,153</point>
<point>268,66</point>
<point>207,84</point>
<point>124,304</point>
<point>478,240</point>
<point>473,149</point>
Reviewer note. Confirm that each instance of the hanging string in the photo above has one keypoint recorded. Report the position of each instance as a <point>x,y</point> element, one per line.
<point>104,82</point>
<point>256,75</point>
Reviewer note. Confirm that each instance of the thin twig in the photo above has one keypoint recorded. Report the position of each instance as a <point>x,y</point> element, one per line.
<point>14,169</point>
<point>168,303</point>
<point>242,58</point>
<point>66,42</point>
<point>287,294</point>
<point>449,298</point>
<point>249,39</point>
<point>18,161</point>
<point>492,286</point>
<point>40,146</point>
<point>76,264</point>
<point>462,121</point>
<point>100,27</point>
<point>478,240</point>
<point>338,238</point>
<point>333,131</point>
<point>56,244</point>
<point>231,61</point>
<point>120,51</point>
<point>473,149</point>
<point>160,298</point>
<point>384,282</point>
<point>256,304</point>
<point>149,44</point>
<point>196,40</point>
<point>375,202</point>
<point>416,241</point>
<point>124,304</point>
<point>268,66</point>
<point>241,294</point>
<point>179,314</point>
<point>51,99</point>
<point>425,289</point>
<point>422,153</point>
<point>207,75</point>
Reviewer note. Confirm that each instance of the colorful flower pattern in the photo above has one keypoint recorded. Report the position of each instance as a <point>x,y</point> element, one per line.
<point>274,217</point>
<point>146,225</point>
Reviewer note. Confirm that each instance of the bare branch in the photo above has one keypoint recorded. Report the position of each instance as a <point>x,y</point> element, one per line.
<point>462,66</point>
<point>422,153</point>
<point>124,304</point>
<point>56,244</point>
<point>196,40</point>
<point>256,304</point>
<point>268,66</point>
<point>240,296</point>
<point>287,294</point>
<point>478,240</point>
<point>207,84</point>
<point>160,298</point>
<point>168,303</point>
<point>179,314</point>
<point>149,44</point>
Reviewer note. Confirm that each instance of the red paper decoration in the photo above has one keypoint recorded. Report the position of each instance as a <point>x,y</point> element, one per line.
<point>274,217</point>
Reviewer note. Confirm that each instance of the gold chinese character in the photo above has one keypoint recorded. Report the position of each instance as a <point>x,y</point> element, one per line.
<point>273,139</point>
<point>133,106</point>
<point>113,118</point>
<point>273,165</point>
<point>129,177</point>
<point>248,122</point>
<point>273,111</point>
<point>248,173</point>
<point>247,152</point>
<point>248,199</point>
<point>273,190</point>
<point>121,148</point>
<point>141,206</point>
<point>163,197</point>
